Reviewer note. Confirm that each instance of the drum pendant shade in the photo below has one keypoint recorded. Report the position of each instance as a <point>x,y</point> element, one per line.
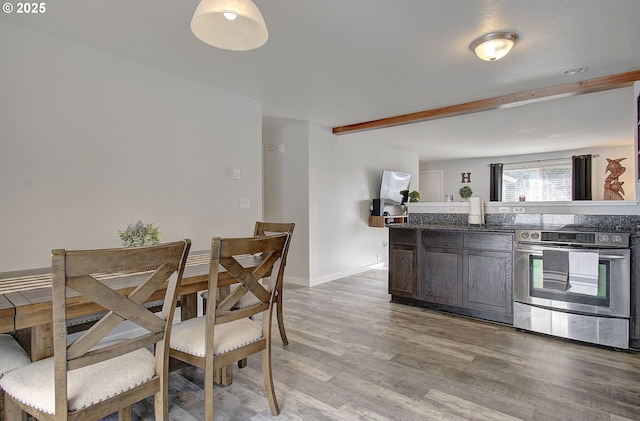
<point>235,25</point>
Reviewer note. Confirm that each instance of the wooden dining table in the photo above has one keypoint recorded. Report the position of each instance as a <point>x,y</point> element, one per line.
<point>25,302</point>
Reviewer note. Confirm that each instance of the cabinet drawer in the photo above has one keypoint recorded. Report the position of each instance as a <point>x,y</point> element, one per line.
<point>488,241</point>
<point>403,236</point>
<point>442,239</point>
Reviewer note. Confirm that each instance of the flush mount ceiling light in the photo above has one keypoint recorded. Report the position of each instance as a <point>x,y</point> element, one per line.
<point>494,46</point>
<point>575,71</point>
<point>234,25</point>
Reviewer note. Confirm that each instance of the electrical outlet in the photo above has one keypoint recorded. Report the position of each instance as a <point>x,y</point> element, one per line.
<point>518,209</point>
<point>244,203</point>
<point>452,210</point>
<point>504,209</point>
<point>378,257</point>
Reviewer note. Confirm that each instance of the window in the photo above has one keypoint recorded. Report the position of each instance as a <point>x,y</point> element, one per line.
<point>537,181</point>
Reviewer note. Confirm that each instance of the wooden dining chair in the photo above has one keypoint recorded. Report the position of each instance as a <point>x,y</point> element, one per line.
<point>267,228</point>
<point>12,356</point>
<point>226,333</point>
<point>262,229</point>
<point>90,378</point>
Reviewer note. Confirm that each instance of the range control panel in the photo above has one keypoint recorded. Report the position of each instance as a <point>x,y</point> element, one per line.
<point>605,239</point>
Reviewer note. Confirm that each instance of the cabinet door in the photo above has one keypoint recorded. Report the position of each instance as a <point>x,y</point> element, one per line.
<point>487,281</point>
<point>441,275</point>
<point>403,277</point>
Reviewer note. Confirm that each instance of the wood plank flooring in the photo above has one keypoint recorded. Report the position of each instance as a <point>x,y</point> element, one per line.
<point>353,355</point>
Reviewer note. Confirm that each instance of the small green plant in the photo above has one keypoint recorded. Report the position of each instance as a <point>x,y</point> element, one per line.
<point>466,192</point>
<point>414,196</point>
<point>139,234</point>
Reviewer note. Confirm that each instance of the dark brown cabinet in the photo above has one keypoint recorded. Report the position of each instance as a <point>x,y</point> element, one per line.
<point>468,273</point>
<point>441,278</point>
<point>441,267</point>
<point>403,260</point>
<point>486,284</point>
<point>488,275</point>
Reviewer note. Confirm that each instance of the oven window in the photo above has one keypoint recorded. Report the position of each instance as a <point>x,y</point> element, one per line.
<point>537,290</point>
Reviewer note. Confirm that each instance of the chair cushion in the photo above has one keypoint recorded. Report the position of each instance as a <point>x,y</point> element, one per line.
<point>12,355</point>
<point>33,384</point>
<point>189,336</point>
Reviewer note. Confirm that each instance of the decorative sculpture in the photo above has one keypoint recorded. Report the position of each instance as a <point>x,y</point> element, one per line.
<point>612,186</point>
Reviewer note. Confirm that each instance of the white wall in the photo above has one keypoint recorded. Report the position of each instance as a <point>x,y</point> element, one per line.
<point>480,172</point>
<point>286,191</point>
<point>338,177</point>
<point>345,175</point>
<point>90,141</point>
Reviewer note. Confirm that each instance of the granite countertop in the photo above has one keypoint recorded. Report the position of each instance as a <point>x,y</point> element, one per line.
<point>455,227</point>
<point>499,228</point>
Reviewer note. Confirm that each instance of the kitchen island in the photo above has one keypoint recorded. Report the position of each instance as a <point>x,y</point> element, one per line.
<point>442,263</point>
<point>459,268</point>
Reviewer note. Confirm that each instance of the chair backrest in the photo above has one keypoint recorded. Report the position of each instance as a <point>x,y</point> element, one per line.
<point>246,260</point>
<point>268,228</point>
<point>77,275</point>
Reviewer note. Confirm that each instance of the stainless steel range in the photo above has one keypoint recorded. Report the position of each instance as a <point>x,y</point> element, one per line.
<point>573,283</point>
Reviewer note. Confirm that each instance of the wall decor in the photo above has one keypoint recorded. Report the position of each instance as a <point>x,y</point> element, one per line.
<point>612,185</point>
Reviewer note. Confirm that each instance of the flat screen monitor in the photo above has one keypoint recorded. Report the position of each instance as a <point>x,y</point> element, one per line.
<point>395,187</point>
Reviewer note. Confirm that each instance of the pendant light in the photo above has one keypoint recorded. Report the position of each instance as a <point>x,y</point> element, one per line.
<point>494,46</point>
<point>235,25</point>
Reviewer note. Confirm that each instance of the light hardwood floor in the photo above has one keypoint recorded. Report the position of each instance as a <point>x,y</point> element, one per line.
<point>353,355</point>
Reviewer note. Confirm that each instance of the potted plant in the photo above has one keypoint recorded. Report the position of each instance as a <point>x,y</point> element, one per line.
<point>414,196</point>
<point>139,234</point>
<point>466,192</point>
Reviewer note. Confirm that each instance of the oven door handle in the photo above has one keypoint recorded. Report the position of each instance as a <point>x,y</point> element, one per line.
<point>538,250</point>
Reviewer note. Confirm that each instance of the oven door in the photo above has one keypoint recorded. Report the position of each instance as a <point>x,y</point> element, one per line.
<point>613,293</point>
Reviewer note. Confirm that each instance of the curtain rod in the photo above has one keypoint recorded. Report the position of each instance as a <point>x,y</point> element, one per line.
<point>536,160</point>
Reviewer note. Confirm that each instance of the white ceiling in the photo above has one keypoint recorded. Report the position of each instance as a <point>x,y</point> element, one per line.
<point>339,62</point>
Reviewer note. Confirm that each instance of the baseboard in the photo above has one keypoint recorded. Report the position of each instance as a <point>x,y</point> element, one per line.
<point>332,277</point>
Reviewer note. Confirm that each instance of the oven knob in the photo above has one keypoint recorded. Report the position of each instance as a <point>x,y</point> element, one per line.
<point>524,235</point>
<point>616,239</point>
<point>603,238</point>
<point>535,235</point>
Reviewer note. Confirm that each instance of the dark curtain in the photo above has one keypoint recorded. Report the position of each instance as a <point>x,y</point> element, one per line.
<point>581,177</point>
<point>495,183</point>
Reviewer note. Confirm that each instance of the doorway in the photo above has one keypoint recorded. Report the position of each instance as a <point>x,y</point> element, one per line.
<point>431,186</point>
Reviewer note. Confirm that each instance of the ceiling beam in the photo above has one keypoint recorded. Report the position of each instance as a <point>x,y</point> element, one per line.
<point>603,83</point>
